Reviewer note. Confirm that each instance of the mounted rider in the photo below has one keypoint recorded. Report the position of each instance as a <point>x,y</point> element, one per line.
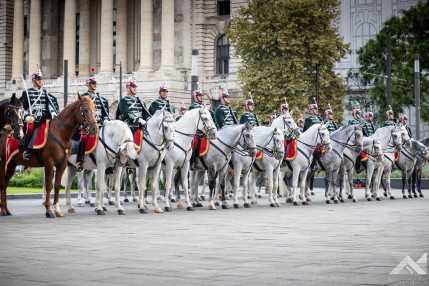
<point>329,120</point>
<point>101,115</point>
<point>403,119</point>
<point>248,115</point>
<point>313,118</point>
<point>39,106</point>
<point>162,101</point>
<point>224,115</point>
<point>357,117</point>
<point>390,117</point>
<point>369,127</point>
<point>197,102</point>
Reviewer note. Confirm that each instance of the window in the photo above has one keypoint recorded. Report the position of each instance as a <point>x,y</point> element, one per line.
<point>223,7</point>
<point>363,33</point>
<point>222,55</point>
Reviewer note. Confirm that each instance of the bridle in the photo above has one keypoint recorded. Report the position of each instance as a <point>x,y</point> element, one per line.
<point>116,155</point>
<point>161,146</point>
<point>310,146</point>
<point>346,144</point>
<point>15,125</point>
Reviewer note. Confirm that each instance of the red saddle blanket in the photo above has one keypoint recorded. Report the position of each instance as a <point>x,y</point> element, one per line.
<point>41,136</point>
<point>259,155</point>
<point>363,156</point>
<point>397,154</point>
<point>90,141</point>
<point>291,149</point>
<point>204,144</point>
<point>12,148</point>
<point>138,139</point>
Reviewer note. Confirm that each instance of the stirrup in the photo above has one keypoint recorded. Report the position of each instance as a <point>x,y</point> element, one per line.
<point>26,155</point>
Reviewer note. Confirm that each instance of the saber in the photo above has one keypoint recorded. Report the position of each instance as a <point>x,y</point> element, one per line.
<point>26,94</point>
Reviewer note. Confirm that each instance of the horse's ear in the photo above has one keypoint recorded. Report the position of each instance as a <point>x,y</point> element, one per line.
<point>13,98</point>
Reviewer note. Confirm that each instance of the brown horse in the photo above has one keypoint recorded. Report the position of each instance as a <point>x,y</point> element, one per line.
<point>54,154</point>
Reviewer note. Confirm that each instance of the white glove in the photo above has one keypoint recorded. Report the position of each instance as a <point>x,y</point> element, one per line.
<point>53,114</point>
<point>142,122</point>
<point>29,119</point>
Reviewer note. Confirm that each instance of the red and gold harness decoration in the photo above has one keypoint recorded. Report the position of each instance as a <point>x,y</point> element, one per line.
<point>41,137</point>
<point>259,155</point>
<point>363,156</point>
<point>291,149</point>
<point>138,139</point>
<point>12,148</point>
<point>397,154</point>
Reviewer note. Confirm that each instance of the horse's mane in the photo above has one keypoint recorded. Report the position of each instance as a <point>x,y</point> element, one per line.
<point>70,107</point>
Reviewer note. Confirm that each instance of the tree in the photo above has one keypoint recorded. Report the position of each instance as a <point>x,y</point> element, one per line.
<point>406,36</point>
<point>281,44</point>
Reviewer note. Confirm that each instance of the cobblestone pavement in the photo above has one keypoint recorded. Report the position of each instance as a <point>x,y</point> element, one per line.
<point>344,244</point>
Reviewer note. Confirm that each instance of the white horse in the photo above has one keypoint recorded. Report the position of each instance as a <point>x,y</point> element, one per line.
<point>114,149</point>
<point>314,137</point>
<point>179,157</point>
<point>374,151</point>
<point>390,138</point>
<point>217,158</point>
<point>158,137</point>
<point>269,141</point>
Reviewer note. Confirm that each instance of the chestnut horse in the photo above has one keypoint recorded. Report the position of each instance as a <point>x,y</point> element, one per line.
<point>56,151</point>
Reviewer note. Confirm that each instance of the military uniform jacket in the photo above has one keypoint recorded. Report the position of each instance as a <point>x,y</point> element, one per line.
<point>310,121</point>
<point>249,117</point>
<point>331,125</point>
<point>130,109</point>
<point>194,105</point>
<point>101,106</point>
<point>43,105</point>
<point>159,104</point>
<point>389,123</point>
<point>368,128</point>
<point>224,116</point>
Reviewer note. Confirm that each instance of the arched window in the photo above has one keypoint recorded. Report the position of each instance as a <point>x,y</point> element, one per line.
<point>363,33</point>
<point>222,55</point>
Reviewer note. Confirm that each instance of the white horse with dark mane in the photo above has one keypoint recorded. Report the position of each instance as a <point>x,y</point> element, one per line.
<point>115,148</point>
<point>158,138</point>
<point>372,148</point>
<point>179,157</point>
<point>269,143</point>
<point>215,162</point>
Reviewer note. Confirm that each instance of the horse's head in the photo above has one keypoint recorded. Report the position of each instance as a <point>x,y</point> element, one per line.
<point>406,139</point>
<point>13,114</point>
<point>323,134</point>
<point>127,152</point>
<point>358,134</point>
<point>420,149</point>
<point>290,125</point>
<point>376,149</point>
<point>278,144</point>
<point>86,114</point>
<point>247,139</point>
<point>206,124</point>
<point>168,127</point>
<point>396,135</point>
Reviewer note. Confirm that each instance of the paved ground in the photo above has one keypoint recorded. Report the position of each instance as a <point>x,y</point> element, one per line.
<point>344,244</point>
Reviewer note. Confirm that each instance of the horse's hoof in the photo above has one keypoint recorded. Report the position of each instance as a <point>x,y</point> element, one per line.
<point>203,198</point>
<point>385,194</point>
<point>312,193</point>
<point>335,201</point>
<point>410,196</point>
<point>199,205</point>
<point>278,205</point>
<point>135,200</point>
<point>88,202</point>
<point>354,200</point>
<point>225,206</point>
<point>104,209</point>
<point>50,214</point>
<point>378,199</point>
<point>342,200</point>
<point>295,203</point>
<point>247,205</point>
<point>71,211</point>
<point>249,197</point>
<point>121,212</point>
<point>404,197</point>
<point>167,209</point>
<point>112,203</point>
<point>289,200</point>
<point>158,210</point>
<point>125,201</point>
<point>273,205</point>
<point>368,199</point>
<point>349,197</point>
<point>172,200</point>
<point>189,209</point>
<point>328,202</point>
<point>92,205</point>
<point>392,197</point>
<point>421,195</point>
<point>212,207</point>
<point>143,211</point>
<point>305,203</point>
<point>308,199</point>
<point>300,197</point>
<point>100,212</point>
<point>236,206</point>
<point>217,204</point>
<point>416,196</point>
<point>259,196</point>
<point>59,214</point>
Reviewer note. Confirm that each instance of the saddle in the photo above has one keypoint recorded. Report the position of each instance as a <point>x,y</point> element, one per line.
<point>200,144</point>
<point>363,156</point>
<point>12,148</point>
<point>39,135</point>
<point>259,155</point>
<point>291,149</point>
<point>397,154</point>
<point>138,139</point>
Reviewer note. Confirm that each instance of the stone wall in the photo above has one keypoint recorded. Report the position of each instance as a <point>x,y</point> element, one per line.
<point>6,25</point>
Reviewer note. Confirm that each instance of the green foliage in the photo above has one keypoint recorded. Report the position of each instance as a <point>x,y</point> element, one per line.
<point>32,178</point>
<point>281,44</point>
<point>406,36</point>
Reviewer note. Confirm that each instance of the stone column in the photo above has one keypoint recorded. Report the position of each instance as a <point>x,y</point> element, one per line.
<point>106,39</point>
<point>146,36</point>
<point>167,35</point>
<point>187,30</point>
<point>84,35</point>
<point>121,33</point>
<point>35,37</point>
<point>18,40</point>
<point>69,39</point>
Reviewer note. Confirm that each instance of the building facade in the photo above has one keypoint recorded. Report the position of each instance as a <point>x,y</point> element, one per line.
<point>178,42</point>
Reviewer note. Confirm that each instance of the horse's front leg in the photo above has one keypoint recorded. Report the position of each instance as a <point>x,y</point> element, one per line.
<point>252,188</point>
<point>155,187</point>
<point>168,185</point>
<point>238,168</point>
<point>245,191</point>
<point>71,173</point>
<point>222,183</point>
<point>184,172</point>
<point>141,185</point>
<point>295,180</point>
<point>49,174</point>
<point>302,185</point>
<point>100,187</point>
<point>116,184</point>
<point>3,188</point>
<point>268,174</point>
<point>212,176</point>
<point>276,175</point>
<point>377,181</point>
<point>369,175</point>
<point>388,189</point>
<point>59,170</point>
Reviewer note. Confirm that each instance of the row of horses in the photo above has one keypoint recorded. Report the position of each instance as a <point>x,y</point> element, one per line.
<point>238,154</point>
